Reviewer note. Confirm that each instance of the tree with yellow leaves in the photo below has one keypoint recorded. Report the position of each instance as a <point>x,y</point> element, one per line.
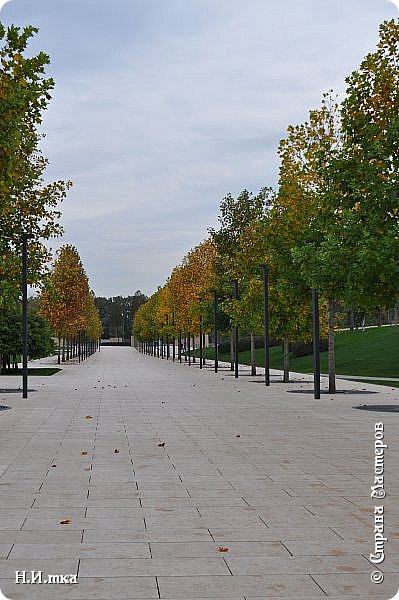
<point>66,302</point>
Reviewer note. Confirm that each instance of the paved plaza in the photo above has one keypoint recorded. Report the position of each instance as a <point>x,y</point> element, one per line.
<point>148,479</point>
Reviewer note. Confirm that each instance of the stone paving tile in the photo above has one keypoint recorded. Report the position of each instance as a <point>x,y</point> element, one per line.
<point>211,549</point>
<point>287,586</point>
<point>260,565</point>
<point>174,567</point>
<point>100,588</point>
<point>156,534</point>
<point>327,547</point>
<point>48,566</point>
<point>322,597</point>
<point>355,583</point>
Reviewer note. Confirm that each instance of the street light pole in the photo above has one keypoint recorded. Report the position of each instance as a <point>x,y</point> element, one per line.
<point>200,333</point>
<point>215,327</point>
<point>266,321</point>
<point>316,343</point>
<point>173,339</point>
<point>235,295</point>
<point>25,315</point>
<point>167,337</point>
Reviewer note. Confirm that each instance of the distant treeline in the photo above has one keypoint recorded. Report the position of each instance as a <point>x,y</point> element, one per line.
<point>117,314</point>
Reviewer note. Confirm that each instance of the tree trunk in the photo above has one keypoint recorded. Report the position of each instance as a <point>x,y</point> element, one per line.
<point>59,350</point>
<point>351,320</point>
<point>286,351</point>
<point>63,349</point>
<point>253,355</point>
<point>193,338</point>
<point>331,346</point>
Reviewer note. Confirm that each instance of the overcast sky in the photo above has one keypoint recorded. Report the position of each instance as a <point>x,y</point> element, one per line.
<point>162,107</point>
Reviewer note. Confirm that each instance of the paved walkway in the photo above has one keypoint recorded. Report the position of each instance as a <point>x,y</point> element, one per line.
<point>253,493</point>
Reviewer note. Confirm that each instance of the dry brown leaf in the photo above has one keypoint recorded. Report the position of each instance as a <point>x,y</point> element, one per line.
<point>65,522</point>
<point>116,451</point>
<point>161,444</point>
<point>84,452</point>
<point>223,549</point>
<point>88,417</point>
<point>87,469</point>
<point>53,465</point>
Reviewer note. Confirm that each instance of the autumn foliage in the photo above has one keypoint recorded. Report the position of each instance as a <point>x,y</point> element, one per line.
<point>67,303</point>
<point>332,224</point>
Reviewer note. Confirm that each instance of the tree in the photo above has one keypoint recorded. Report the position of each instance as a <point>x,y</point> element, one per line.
<point>369,172</point>
<point>40,340</point>
<point>66,300</point>
<point>237,216</point>
<point>27,204</point>
<point>308,200</point>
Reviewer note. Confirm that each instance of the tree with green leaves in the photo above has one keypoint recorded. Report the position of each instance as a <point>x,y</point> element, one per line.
<point>236,216</point>
<point>40,341</point>
<point>27,204</point>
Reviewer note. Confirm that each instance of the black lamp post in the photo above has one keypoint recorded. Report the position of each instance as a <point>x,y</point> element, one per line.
<point>215,327</point>
<point>173,339</point>
<point>316,343</point>
<point>167,337</point>
<point>200,333</point>
<point>25,315</point>
<point>265,269</point>
<point>235,296</point>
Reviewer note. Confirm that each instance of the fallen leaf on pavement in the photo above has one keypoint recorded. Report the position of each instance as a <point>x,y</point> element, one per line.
<point>161,444</point>
<point>223,549</point>
<point>88,417</point>
<point>65,522</point>
<point>116,451</point>
<point>84,452</point>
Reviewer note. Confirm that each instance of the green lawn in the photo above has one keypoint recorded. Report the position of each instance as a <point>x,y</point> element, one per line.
<point>372,352</point>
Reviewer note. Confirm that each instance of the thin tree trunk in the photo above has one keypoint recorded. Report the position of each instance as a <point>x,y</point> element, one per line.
<point>331,346</point>
<point>59,350</point>
<point>286,351</point>
<point>253,355</point>
<point>351,320</point>
<point>193,338</point>
<point>63,349</point>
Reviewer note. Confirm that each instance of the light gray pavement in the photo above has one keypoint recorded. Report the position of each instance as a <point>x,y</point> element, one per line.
<point>278,480</point>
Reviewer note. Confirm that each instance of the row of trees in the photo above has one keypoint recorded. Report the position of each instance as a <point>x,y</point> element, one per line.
<point>68,304</point>
<point>332,224</point>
